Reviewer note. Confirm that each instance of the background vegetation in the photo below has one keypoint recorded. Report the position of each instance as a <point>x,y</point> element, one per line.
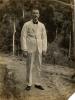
<point>55,14</point>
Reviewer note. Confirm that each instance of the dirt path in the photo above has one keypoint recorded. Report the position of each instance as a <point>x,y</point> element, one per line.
<point>55,78</point>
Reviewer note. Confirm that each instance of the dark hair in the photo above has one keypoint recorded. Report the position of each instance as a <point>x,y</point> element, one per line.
<point>34,9</point>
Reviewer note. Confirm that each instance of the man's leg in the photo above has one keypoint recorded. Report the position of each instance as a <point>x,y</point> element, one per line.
<point>29,67</point>
<point>38,58</point>
<point>38,63</point>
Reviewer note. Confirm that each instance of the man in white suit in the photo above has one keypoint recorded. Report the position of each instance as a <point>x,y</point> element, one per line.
<point>34,45</point>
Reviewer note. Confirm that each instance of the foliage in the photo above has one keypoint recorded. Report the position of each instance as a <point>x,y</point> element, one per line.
<point>56,16</point>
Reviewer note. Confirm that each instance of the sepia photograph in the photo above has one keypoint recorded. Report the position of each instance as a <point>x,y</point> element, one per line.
<point>37,49</point>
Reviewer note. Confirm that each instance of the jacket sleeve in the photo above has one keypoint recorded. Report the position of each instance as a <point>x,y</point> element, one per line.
<point>44,39</point>
<point>23,38</point>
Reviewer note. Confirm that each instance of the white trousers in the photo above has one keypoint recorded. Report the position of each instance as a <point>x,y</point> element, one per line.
<point>33,60</point>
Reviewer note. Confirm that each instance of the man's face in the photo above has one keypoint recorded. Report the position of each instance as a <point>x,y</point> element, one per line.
<point>35,15</point>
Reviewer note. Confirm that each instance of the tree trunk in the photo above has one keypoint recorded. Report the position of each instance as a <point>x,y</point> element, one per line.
<point>74,30</point>
<point>56,32</point>
<point>14,37</point>
<point>69,54</point>
<point>23,12</point>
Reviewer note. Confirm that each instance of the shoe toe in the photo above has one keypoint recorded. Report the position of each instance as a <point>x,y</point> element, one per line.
<point>39,87</point>
<point>28,88</point>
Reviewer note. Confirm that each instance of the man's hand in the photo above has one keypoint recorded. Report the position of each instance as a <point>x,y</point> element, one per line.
<point>44,53</point>
<point>25,53</point>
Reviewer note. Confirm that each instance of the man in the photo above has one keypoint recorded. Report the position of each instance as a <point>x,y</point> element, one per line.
<point>33,45</point>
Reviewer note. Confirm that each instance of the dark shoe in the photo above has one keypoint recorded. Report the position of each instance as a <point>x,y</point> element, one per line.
<point>28,88</point>
<point>39,87</point>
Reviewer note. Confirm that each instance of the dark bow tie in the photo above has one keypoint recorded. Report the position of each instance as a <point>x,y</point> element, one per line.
<point>35,22</point>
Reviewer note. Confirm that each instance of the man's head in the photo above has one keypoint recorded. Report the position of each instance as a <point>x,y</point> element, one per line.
<point>35,15</point>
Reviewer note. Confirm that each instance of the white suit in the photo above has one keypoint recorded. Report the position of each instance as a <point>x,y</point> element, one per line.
<point>33,40</point>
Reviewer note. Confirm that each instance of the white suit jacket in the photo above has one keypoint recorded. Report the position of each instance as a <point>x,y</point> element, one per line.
<point>33,36</point>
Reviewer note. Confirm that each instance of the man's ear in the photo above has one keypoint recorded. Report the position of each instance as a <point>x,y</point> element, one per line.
<point>39,15</point>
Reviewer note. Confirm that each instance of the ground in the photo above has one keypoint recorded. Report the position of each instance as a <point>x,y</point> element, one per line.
<point>57,80</point>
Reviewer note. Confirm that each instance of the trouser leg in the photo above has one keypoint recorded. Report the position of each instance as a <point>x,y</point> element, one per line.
<point>38,62</point>
<point>30,61</point>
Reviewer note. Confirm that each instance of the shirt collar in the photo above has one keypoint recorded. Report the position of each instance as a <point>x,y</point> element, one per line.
<point>35,22</point>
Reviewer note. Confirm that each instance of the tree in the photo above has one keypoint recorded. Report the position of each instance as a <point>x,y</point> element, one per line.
<point>74,30</point>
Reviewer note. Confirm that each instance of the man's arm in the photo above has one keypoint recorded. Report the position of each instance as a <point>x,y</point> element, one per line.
<point>23,39</point>
<point>44,40</point>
